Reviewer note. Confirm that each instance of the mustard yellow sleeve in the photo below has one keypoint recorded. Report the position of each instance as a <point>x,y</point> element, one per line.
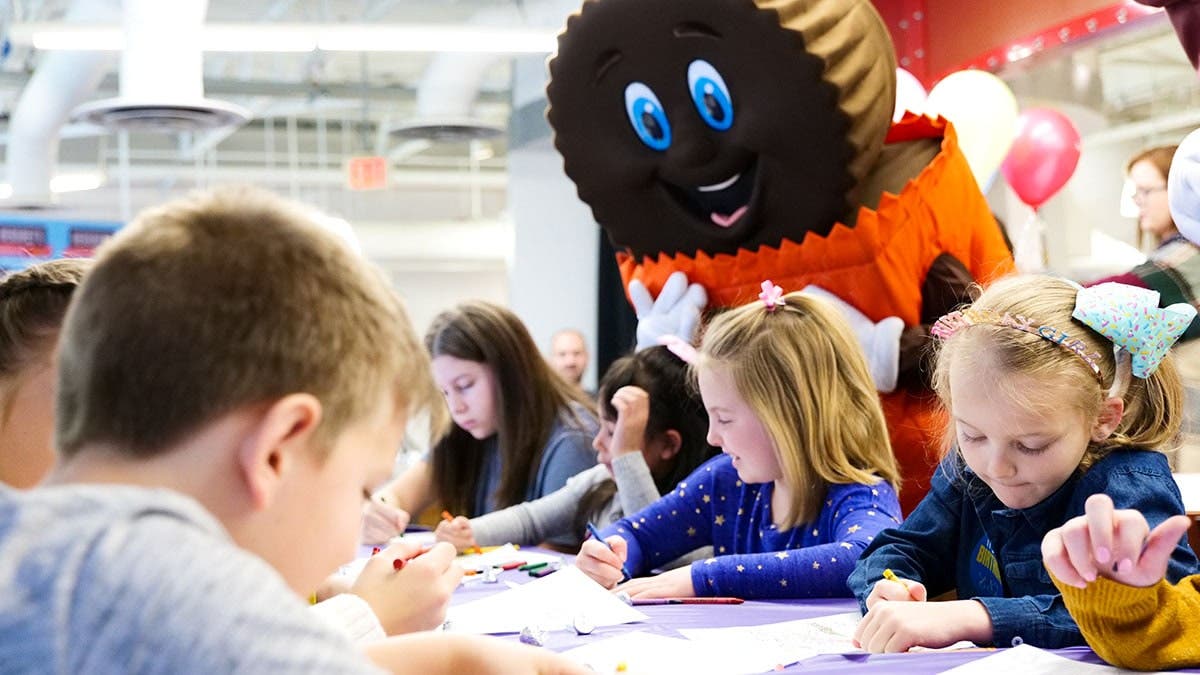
<point>1142,628</point>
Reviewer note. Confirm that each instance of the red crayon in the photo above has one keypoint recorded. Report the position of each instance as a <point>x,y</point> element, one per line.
<point>512,565</point>
<point>687,601</point>
<point>375,551</point>
<point>399,563</point>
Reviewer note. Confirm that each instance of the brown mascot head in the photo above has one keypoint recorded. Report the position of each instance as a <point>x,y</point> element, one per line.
<point>716,125</point>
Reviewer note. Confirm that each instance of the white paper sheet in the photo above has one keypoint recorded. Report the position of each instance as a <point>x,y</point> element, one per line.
<point>786,641</point>
<point>551,602</point>
<point>646,653</point>
<point>504,555</point>
<point>1028,660</point>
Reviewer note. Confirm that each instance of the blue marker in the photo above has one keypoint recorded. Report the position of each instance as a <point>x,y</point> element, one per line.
<point>596,535</point>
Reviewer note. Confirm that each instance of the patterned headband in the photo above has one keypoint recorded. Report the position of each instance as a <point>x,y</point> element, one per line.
<point>1127,316</point>
<point>955,322</point>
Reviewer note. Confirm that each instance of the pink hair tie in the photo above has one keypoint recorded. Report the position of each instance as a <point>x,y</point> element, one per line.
<point>772,296</point>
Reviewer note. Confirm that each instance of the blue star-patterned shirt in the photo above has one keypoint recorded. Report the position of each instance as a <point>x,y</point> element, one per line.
<point>753,558</point>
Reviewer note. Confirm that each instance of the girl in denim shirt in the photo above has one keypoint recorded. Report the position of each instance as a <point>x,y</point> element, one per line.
<point>1054,394</point>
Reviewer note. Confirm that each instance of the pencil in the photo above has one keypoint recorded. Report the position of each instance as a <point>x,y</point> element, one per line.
<point>687,601</point>
<point>596,535</point>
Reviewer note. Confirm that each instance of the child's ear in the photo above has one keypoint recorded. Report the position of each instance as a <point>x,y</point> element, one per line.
<point>671,443</point>
<point>272,446</point>
<point>1111,412</point>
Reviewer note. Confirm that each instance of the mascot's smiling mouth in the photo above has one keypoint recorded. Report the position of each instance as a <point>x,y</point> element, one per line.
<point>723,203</point>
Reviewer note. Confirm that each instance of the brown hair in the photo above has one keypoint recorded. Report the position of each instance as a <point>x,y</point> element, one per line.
<point>529,398</point>
<point>221,300</point>
<point>1153,406</point>
<point>801,371</point>
<point>33,303</point>
<point>1160,156</point>
<point>674,405</point>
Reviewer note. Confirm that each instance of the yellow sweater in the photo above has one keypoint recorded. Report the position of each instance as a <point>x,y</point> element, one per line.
<point>1143,628</point>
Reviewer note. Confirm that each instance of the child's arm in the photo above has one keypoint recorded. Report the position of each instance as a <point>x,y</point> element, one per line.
<point>923,549</point>
<point>853,517</point>
<point>1137,620</point>
<point>635,484</point>
<point>526,523</point>
<point>440,653</point>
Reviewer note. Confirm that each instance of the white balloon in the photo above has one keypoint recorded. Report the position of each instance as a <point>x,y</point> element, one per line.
<point>1183,187</point>
<point>910,94</point>
<point>984,112</point>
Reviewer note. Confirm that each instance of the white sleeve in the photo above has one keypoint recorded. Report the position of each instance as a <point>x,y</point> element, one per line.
<point>352,615</point>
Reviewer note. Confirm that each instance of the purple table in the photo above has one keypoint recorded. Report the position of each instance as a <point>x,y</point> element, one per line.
<point>668,619</point>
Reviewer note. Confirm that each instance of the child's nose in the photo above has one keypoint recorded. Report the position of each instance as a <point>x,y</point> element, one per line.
<point>999,465</point>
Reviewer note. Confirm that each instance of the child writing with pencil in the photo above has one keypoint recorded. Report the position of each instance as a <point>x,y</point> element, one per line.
<point>652,428</point>
<point>1112,570</point>
<point>1054,393</point>
<point>806,479</point>
<point>231,384</point>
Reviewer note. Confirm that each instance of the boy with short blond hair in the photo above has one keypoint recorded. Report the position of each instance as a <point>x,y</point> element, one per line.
<point>233,381</point>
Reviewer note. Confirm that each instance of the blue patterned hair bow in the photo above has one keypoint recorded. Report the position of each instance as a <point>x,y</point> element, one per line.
<point>1131,318</point>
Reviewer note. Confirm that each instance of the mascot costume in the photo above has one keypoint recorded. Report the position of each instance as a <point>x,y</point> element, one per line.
<point>733,141</point>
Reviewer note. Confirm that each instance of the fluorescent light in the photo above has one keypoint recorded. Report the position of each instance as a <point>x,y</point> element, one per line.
<point>65,182</point>
<point>436,38</point>
<point>300,37</point>
<point>76,182</point>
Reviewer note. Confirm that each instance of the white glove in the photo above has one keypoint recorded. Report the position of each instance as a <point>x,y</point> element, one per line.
<point>676,311</point>
<point>880,341</point>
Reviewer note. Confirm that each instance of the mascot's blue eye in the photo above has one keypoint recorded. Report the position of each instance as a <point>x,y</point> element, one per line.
<point>710,95</point>
<point>647,116</point>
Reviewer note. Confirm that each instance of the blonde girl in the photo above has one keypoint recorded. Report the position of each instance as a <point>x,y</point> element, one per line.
<point>807,477</point>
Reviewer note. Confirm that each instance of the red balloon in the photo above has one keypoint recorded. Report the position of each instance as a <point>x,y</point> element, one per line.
<point>1043,155</point>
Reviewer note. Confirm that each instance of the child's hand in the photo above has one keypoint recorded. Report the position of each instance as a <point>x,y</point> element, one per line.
<point>507,658</point>
<point>633,409</point>
<point>413,598</point>
<point>901,590</point>
<point>457,532</point>
<point>1117,544</point>
<point>896,626</point>
<point>382,521</point>
<point>674,584</point>
<point>601,564</point>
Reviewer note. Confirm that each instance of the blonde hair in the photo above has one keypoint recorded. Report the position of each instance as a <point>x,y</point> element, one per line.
<point>1153,406</point>
<point>221,300</point>
<point>801,371</point>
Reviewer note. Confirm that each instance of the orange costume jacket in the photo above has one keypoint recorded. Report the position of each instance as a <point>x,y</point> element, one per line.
<point>878,266</point>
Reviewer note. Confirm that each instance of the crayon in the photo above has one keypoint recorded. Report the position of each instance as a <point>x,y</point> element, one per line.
<point>532,566</point>
<point>687,601</point>
<point>596,535</point>
<point>891,576</point>
<point>512,565</point>
<point>539,573</point>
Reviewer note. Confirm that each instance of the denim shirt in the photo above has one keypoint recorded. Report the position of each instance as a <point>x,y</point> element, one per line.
<point>961,537</point>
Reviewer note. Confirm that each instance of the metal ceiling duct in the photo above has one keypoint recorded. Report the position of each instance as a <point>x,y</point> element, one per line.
<point>162,77</point>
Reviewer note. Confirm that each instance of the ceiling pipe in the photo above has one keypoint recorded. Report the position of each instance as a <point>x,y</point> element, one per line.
<point>62,81</point>
<point>452,82</point>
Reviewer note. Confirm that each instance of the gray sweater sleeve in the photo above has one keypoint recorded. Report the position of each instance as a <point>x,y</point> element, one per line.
<point>536,521</point>
<point>635,485</point>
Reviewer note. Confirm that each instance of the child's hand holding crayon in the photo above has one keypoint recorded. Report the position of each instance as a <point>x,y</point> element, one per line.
<point>603,561</point>
<point>457,531</point>
<point>412,595</point>
<point>893,588</point>
<point>382,520</point>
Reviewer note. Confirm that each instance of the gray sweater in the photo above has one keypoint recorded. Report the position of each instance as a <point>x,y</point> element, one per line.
<point>119,579</point>
<point>553,516</point>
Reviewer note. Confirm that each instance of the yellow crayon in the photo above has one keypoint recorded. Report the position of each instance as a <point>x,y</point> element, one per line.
<point>891,576</point>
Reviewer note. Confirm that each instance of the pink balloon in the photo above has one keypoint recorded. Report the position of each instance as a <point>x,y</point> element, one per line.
<point>1043,155</point>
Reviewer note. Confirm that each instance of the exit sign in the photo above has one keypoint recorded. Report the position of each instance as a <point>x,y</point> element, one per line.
<point>366,173</point>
